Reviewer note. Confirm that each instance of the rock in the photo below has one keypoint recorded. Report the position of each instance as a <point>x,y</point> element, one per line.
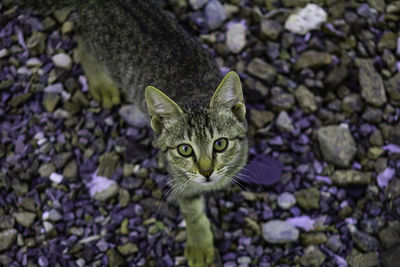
<point>197,4</point>
<point>115,259</point>
<point>128,249</point>
<point>391,257</point>
<point>36,43</point>
<point>56,178</point>
<point>50,101</point>
<point>132,115</point>
<point>67,27</point>
<point>394,136</point>
<point>390,236</point>
<point>352,103</point>
<point>286,200</point>
<point>393,189</point>
<point>70,170</point>
<point>54,88</point>
<point>393,87</point>
<point>270,29</point>
<point>372,89</point>
<point>43,261</point>
<point>46,169</point>
<point>7,239</point>
<point>284,122</point>
<point>373,115</point>
<point>34,62</point>
<point>306,99</point>
<point>384,177</point>
<point>306,19</point>
<point>388,41</point>
<point>4,52</point>
<point>260,118</point>
<point>398,47</point>
<point>6,222</point>
<point>62,60</point>
<point>358,259</point>
<point>61,159</point>
<point>215,14</point>
<point>334,243</point>
<point>312,257</point>
<point>337,145</point>
<point>336,76</point>
<point>279,232</point>
<point>24,218</point>
<point>101,188</point>
<point>351,177</point>
<point>280,100</point>
<point>308,198</point>
<point>62,14</point>
<point>312,59</point>
<point>363,241</point>
<point>236,37</point>
<point>262,70</point>
<point>304,222</point>
<point>19,100</point>
<point>124,198</point>
<point>313,238</point>
<point>108,164</point>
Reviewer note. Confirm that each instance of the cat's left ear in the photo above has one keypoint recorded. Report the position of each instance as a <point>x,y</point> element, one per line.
<point>229,95</point>
<point>161,108</point>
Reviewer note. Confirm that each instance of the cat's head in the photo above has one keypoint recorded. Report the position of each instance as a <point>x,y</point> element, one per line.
<point>205,144</point>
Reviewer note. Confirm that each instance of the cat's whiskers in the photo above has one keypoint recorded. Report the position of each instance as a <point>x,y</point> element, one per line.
<point>165,198</point>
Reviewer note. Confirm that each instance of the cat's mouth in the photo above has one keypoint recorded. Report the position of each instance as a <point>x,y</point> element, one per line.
<point>208,182</point>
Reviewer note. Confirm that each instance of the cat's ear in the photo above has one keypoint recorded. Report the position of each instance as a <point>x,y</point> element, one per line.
<point>160,107</point>
<point>229,95</point>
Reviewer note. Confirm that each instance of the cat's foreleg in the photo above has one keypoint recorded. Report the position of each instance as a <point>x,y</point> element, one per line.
<point>101,86</point>
<point>199,249</point>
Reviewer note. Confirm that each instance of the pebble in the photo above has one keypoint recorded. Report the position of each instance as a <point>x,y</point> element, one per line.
<point>284,122</point>
<point>133,116</point>
<point>286,200</point>
<point>7,239</point>
<point>62,60</point>
<point>351,177</point>
<point>337,145</point>
<point>278,232</point>
<point>215,14</point>
<point>262,70</point>
<point>236,37</point>
<point>306,19</point>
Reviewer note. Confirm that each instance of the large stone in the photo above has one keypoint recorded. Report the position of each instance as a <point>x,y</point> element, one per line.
<point>365,242</point>
<point>390,236</point>
<point>236,37</point>
<point>50,101</point>
<point>394,136</point>
<point>308,198</point>
<point>6,222</point>
<point>352,103</point>
<point>24,218</point>
<point>270,29</point>
<point>388,41</point>
<point>312,59</point>
<point>372,89</point>
<point>7,239</point>
<point>36,43</point>
<point>312,257</point>
<point>286,200</point>
<point>260,117</point>
<point>278,232</point>
<point>358,259</point>
<point>197,4</point>
<point>393,87</point>
<point>262,70</point>
<point>280,100</point>
<point>108,164</point>
<point>337,145</point>
<point>62,60</point>
<point>284,122</point>
<point>102,189</point>
<point>351,177</point>
<point>391,257</point>
<point>306,19</point>
<point>215,14</point>
<point>306,99</point>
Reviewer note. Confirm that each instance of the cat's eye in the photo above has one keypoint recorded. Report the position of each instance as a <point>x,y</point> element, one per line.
<point>220,145</point>
<point>185,150</point>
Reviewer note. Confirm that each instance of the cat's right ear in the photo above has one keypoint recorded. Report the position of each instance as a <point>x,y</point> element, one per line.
<point>160,107</point>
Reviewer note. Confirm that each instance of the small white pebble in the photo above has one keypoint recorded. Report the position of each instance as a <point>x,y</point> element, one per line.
<point>3,52</point>
<point>62,60</point>
<point>56,177</point>
<point>41,142</point>
<point>34,62</point>
<point>45,216</point>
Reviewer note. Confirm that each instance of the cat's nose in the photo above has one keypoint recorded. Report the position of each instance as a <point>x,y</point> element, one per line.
<point>207,173</point>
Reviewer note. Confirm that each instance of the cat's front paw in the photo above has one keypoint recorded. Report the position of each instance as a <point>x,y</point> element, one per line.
<point>199,255</point>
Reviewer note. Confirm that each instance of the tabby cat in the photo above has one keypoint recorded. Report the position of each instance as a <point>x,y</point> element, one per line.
<point>133,49</point>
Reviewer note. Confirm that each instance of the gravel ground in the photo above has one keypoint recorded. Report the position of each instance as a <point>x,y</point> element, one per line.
<point>81,186</point>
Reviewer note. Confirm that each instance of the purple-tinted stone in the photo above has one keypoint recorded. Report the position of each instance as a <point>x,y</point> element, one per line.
<point>295,211</point>
<point>245,240</point>
<point>229,256</point>
<point>167,260</point>
<point>262,170</point>
<point>355,191</point>
<point>224,245</point>
<point>267,214</point>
